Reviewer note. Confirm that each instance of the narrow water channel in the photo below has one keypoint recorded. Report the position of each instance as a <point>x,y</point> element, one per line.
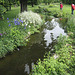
<point>21,61</point>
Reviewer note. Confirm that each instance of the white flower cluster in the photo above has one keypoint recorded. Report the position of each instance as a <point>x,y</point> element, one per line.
<point>30,17</point>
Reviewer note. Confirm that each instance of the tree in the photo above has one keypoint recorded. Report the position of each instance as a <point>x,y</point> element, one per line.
<point>23,5</point>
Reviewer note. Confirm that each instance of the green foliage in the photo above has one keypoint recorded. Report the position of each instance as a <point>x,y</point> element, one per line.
<point>39,10</point>
<point>50,66</point>
<point>68,1</point>
<point>48,1</point>
<point>51,5</point>
<point>62,65</point>
<point>36,2</point>
<point>64,62</point>
<point>71,24</point>
<point>16,35</point>
<point>59,14</point>
<point>62,40</point>
<point>2,10</point>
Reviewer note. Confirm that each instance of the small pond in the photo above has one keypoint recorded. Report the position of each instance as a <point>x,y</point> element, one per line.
<point>20,62</point>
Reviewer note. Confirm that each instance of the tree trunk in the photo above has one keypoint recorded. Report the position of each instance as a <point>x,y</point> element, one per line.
<point>32,3</point>
<point>23,6</point>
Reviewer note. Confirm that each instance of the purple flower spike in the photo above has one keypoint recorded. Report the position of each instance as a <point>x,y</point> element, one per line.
<point>0,34</point>
<point>7,18</point>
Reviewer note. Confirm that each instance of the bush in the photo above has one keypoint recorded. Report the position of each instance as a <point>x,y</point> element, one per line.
<point>30,17</point>
<point>50,66</point>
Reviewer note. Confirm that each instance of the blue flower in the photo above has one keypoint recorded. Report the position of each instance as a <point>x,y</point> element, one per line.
<point>21,21</point>
<point>24,27</point>
<point>8,21</point>
<point>15,23</point>
<point>18,23</point>
<point>11,21</point>
<point>9,25</point>
<point>14,18</point>
<point>17,18</point>
<point>7,18</point>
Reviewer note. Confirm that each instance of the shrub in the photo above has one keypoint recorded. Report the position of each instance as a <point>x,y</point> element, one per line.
<point>50,66</point>
<point>30,17</point>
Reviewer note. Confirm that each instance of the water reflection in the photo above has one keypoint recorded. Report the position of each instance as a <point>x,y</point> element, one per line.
<point>28,68</point>
<point>54,32</point>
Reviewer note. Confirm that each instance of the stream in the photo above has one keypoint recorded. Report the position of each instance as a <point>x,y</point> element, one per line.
<point>21,61</point>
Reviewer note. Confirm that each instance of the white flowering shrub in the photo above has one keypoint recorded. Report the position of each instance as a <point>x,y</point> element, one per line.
<point>30,17</point>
